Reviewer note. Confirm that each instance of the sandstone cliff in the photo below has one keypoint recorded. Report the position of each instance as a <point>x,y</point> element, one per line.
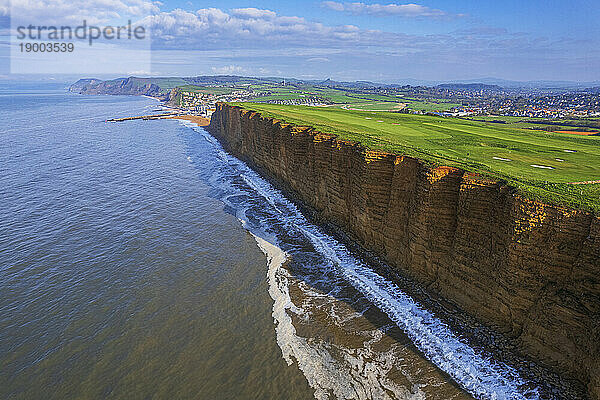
<point>527,269</point>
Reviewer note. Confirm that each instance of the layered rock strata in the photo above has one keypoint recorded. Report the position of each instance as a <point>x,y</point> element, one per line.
<point>527,269</point>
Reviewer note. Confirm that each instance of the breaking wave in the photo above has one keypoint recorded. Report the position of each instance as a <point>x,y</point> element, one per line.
<point>281,232</point>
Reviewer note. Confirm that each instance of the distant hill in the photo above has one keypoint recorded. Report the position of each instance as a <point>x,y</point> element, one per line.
<point>356,84</point>
<point>469,86</point>
<point>121,86</point>
<point>78,86</point>
<point>504,83</point>
<point>161,86</point>
<point>537,84</point>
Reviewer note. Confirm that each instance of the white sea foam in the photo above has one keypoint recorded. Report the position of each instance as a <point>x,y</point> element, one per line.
<point>482,377</point>
<point>362,373</point>
<point>187,123</point>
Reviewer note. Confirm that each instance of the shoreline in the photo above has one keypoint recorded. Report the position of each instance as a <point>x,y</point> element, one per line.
<point>196,119</point>
<point>442,177</point>
<point>432,225</point>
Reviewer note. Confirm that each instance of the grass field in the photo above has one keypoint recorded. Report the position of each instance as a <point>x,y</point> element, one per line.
<point>429,105</point>
<point>206,89</point>
<point>582,124</point>
<point>374,106</point>
<point>339,96</point>
<point>539,164</point>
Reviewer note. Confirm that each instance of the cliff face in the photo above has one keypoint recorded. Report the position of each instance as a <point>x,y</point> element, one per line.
<point>122,86</point>
<point>78,86</point>
<point>174,97</point>
<point>527,269</point>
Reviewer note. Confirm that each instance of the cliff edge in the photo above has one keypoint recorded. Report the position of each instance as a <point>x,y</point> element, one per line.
<point>123,86</point>
<point>524,268</point>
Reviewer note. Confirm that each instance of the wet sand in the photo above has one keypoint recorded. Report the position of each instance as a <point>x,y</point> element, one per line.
<point>198,120</point>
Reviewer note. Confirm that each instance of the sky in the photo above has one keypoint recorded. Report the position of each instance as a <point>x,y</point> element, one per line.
<point>437,40</point>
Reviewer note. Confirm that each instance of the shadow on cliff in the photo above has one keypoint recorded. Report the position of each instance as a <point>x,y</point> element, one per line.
<point>281,157</point>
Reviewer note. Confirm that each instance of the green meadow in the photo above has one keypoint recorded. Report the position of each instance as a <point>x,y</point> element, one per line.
<point>580,124</point>
<point>341,97</point>
<point>206,89</point>
<point>539,164</point>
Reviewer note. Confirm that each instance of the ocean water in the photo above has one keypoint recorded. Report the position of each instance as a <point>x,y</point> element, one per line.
<point>138,260</point>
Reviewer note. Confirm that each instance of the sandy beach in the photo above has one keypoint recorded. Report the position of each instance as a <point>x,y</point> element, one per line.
<point>198,120</point>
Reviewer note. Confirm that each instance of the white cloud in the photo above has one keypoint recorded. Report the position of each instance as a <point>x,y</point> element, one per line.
<point>244,40</point>
<point>55,12</point>
<point>228,70</point>
<point>382,10</point>
<point>139,72</point>
<point>248,35</point>
<point>245,27</point>
<point>333,5</point>
<point>247,13</point>
<point>318,59</point>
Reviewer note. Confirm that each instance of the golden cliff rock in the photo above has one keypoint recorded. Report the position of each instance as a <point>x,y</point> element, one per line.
<point>526,269</point>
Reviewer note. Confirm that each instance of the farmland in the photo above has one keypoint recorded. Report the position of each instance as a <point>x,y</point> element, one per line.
<point>540,164</point>
<point>303,93</point>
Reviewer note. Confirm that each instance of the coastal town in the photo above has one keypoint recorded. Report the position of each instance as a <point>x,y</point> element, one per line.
<point>585,104</point>
<point>303,200</point>
<point>577,108</point>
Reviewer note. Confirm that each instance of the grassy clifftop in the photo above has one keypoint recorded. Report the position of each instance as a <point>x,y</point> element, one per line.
<point>543,165</point>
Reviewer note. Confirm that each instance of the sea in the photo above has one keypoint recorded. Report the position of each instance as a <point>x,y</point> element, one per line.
<point>139,260</point>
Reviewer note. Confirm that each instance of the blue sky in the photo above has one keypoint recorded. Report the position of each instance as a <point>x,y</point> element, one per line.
<point>371,40</point>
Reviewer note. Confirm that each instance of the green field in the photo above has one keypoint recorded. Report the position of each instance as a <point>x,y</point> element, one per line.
<point>206,89</point>
<point>374,106</point>
<point>352,98</point>
<point>581,124</point>
<point>430,105</point>
<point>502,152</point>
